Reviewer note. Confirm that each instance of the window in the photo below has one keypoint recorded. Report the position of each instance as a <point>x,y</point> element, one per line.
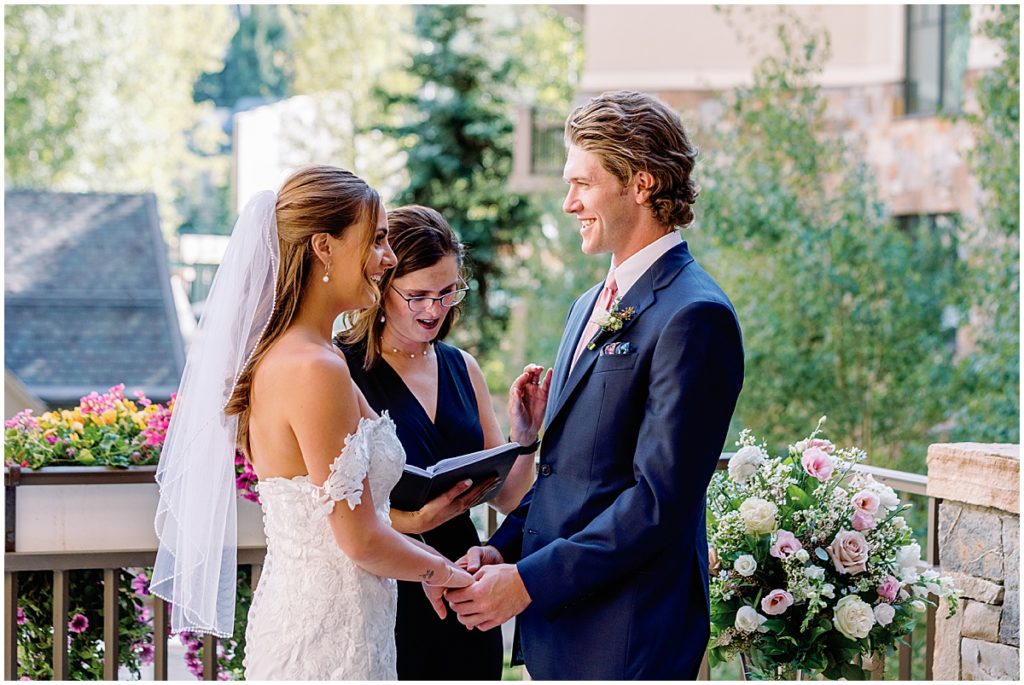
<point>547,153</point>
<point>936,57</point>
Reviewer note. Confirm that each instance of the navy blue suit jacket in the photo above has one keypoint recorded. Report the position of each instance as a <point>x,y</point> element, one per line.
<point>611,541</point>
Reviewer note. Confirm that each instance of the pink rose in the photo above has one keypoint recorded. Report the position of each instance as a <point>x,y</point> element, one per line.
<point>817,463</point>
<point>862,521</point>
<point>849,552</point>
<point>866,501</point>
<point>889,588</point>
<point>785,544</point>
<point>776,602</point>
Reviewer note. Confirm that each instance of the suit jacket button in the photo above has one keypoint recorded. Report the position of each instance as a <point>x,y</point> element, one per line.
<point>545,469</point>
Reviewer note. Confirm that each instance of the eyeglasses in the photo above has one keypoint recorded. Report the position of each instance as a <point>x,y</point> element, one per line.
<point>422,304</point>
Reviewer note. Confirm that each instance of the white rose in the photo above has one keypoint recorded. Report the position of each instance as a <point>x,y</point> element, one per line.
<point>919,591</point>
<point>814,572</point>
<point>745,565</point>
<point>899,522</point>
<point>918,606</point>
<point>884,613</point>
<point>853,617</point>
<point>745,463</point>
<point>887,497</point>
<point>758,515</point>
<point>908,556</point>
<point>802,555</point>
<point>748,620</point>
<point>909,576</point>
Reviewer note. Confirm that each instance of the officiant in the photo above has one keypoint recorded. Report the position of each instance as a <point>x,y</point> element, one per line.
<point>437,396</point>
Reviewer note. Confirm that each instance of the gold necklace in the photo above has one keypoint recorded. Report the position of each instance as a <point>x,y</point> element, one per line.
<point>412,355</point>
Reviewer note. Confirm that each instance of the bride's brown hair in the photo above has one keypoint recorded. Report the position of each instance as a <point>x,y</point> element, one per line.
<point>314,199</point>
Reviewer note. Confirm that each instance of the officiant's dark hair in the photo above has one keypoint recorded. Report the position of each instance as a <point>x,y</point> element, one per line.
<point>632,132</point>
<point>315,199</point>
<point>420,238</point>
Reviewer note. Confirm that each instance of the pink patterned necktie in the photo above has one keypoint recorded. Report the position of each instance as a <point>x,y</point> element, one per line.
<point>603,304</point>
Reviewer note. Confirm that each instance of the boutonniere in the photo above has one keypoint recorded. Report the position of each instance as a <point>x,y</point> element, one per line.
<point>610,321</point>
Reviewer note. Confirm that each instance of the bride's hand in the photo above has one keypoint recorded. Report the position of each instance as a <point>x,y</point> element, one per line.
<point>442,508</point>
<point>435,593</point>
<point>527,401</point>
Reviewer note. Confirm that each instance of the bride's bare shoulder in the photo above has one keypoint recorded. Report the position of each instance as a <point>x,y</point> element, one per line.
<point>298,363</point>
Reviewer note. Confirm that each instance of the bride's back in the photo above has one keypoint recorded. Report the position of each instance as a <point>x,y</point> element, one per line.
<point>286,381</point>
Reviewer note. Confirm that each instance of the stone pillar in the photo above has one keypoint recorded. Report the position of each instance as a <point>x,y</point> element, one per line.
<point>978,536</point>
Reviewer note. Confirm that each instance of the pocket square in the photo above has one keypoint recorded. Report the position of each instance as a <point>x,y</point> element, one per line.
<point>617,348</point>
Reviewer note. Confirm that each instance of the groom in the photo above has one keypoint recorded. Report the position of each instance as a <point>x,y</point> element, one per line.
<point>606,560</point>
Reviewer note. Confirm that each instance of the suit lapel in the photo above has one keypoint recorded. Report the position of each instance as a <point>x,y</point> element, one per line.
<point>640,297</point>
<point>573,330</point>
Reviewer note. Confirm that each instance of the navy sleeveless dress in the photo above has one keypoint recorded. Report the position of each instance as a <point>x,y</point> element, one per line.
<point>429,648</point>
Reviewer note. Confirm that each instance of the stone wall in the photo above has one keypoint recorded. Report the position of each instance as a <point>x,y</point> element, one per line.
<point>979,547</point>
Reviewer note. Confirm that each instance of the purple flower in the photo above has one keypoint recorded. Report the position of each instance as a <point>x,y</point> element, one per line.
<point>141,584</point>
<point>52,439</point>
<point>78,624</point>
<point>22,618</point>
<point>145,615</point>
<point>146,652</point>
<point>223,675</point>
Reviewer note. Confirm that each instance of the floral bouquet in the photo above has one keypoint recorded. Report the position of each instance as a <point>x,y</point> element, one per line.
<point>103,430</point>
<point>812,563</point>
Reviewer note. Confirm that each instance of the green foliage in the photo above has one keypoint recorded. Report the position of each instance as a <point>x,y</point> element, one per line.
<point>85,655</point>
<point>833,318</point>
<point>988,378</point>
<point>458,144</point>
<point>258,61</point>
<point>341,53</point>
<point>99,98</point>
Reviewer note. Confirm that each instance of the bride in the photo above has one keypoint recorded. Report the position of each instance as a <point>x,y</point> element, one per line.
<point>263,375</point>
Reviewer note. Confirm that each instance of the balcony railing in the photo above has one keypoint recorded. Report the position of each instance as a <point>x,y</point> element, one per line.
<point>112,560</point>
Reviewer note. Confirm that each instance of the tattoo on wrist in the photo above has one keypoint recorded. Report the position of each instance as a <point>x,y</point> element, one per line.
<point>427,576</point>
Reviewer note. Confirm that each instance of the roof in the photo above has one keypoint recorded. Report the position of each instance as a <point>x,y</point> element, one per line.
<point>87,295</point>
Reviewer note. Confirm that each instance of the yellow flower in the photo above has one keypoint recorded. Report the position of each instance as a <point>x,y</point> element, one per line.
<point>74,437</point>
<point>106,418</point>
<point>77,426</point>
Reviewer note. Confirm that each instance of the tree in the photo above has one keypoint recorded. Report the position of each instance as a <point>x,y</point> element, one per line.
<point>841,308</point>
<point>988,378</point>
<point>458,144</point>
<point>258,61</point>
<point>344,53</point>
<point>99,98</point>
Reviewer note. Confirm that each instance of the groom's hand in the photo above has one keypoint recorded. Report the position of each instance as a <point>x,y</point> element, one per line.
<point>497,595</point>
<point>478,557</point>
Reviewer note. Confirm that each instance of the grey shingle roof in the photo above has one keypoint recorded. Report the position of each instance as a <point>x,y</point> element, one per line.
<point>87,298</point>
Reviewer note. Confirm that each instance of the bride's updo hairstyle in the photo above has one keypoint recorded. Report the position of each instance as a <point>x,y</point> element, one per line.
<point>420,238</point>
<point>314,199</point>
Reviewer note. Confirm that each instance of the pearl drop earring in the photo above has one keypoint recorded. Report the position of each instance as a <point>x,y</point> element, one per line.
<point>327,273</point>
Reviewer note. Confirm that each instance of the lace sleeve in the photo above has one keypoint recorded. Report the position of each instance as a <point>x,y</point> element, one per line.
<point>348,471</point>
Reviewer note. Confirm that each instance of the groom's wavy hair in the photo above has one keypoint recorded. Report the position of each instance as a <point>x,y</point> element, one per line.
<point>314,199</point>
<point>632,132</point>
<point>420,238</point>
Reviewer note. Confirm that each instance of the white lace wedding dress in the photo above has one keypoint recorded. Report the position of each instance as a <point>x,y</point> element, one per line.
<point>315,614</point>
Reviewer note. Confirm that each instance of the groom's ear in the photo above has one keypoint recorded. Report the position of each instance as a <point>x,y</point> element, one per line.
<point>644,185</point>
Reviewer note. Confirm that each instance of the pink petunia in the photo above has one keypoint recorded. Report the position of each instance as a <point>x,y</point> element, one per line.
<point>145,651</point>
<point>141,584</point>
<point>22,618</point>
<point>78,624</point>
<point>817,463</point>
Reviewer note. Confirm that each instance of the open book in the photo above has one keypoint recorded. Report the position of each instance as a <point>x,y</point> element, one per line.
<point>418,486</point>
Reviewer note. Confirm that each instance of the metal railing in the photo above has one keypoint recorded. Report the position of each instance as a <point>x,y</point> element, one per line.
<point>112,563</point>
